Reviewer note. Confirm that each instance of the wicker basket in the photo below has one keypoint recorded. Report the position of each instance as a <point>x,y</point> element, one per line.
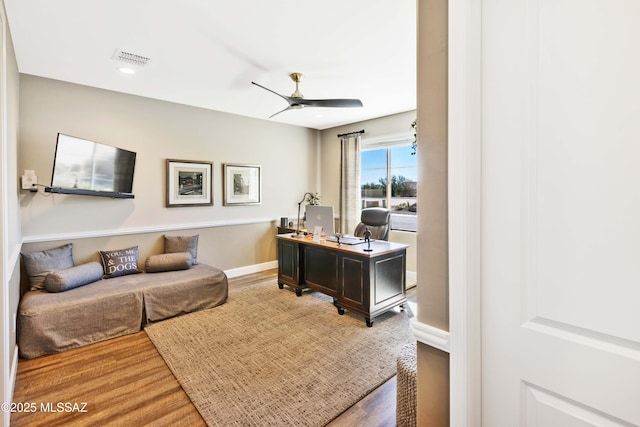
<point>406,387</point>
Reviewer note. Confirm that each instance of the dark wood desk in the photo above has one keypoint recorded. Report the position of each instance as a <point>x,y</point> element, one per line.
<point>287,229</point>
<point>368,283</point>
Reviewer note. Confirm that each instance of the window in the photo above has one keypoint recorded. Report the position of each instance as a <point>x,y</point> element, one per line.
<point>389,178</point>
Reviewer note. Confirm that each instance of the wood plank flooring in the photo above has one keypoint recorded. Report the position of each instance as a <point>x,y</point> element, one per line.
<point>125,381</point>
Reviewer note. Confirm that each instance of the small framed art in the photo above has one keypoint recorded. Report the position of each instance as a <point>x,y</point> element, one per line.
<point>242,184</point>
<point>189,183</point>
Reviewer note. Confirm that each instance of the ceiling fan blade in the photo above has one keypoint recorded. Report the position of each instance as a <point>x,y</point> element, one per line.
<point>296,102</point>
<point>286,98</point>
<point>332,103</point>
<point>282,111</point>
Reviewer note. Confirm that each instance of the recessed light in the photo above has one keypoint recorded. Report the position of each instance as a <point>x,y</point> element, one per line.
<point>318,115</point>
<point>127,70</point>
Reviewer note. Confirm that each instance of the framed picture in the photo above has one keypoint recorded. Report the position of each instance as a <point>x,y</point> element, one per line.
<point>189,183</point>
<point>242,184</point>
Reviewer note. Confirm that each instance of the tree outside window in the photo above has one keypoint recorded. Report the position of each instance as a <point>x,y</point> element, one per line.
<point>389,178</point>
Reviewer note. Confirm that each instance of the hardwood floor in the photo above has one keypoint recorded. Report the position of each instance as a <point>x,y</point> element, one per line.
<point>125,381</point>
<point>378,409</point>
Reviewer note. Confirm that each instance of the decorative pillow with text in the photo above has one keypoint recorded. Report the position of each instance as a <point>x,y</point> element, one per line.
<point>120,262</point>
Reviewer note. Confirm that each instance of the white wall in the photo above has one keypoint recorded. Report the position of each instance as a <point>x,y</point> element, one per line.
<point>10,233</point>
<point>156,131</point>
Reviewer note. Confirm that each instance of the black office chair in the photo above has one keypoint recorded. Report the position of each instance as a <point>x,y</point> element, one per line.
<point>377,220</point>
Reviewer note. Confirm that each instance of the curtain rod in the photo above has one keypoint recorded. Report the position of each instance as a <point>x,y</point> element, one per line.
<point>350,133</point>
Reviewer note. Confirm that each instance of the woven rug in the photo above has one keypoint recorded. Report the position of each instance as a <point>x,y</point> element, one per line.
<point>270,358</point>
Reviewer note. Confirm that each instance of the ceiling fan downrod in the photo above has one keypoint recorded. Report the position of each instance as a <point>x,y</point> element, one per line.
<point>297,78</point>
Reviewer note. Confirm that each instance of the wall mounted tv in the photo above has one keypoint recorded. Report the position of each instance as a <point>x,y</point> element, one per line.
<point>89,168</point>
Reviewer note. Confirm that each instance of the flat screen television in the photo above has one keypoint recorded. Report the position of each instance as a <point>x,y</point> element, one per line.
<point>89,168</point>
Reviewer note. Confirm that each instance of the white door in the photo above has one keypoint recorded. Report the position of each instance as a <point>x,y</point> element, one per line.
<point>561,213</point>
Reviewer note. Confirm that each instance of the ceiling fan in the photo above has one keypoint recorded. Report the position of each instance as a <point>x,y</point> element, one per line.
<point>297,101</point>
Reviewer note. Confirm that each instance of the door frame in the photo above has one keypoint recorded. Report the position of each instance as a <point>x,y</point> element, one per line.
<point>463,340</point>
<point>464,210</point>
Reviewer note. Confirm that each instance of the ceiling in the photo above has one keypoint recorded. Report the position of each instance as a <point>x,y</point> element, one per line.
<point>206,53</point>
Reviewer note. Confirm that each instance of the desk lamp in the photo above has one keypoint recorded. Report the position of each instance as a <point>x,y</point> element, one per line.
<point>299,204</point>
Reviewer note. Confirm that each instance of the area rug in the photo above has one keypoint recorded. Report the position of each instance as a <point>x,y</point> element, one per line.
<point>270,358</point>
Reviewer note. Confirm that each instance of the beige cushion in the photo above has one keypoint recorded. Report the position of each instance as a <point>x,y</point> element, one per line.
<point>173,244</point>
<point>168,262</point>
<point>69,278</point>
<point>39,264</point>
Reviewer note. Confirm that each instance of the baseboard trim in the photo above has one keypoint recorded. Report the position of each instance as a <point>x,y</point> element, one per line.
<point>13,374</point>
<point>9,386</point>
<point>412,279</point>
<point>248,269</point>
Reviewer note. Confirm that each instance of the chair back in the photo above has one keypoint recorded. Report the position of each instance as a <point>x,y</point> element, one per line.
<point>377,220</point>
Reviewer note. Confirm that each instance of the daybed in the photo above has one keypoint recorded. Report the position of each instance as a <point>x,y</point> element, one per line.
<point>53,321</point>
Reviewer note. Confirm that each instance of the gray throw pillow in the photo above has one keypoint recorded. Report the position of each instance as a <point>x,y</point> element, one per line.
<point>168,262</point>
<point>69,278</point>
<point>120,262</point>
<point>189,244</point>
<point>39,264</point>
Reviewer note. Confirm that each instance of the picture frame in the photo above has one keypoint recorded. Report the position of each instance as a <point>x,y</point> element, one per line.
<point>189,183</point>
<point>242,184</point>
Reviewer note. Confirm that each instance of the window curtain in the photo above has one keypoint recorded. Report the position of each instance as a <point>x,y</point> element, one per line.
<point>349,183</point>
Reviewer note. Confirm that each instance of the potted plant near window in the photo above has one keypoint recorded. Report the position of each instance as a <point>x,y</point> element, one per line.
<point>414,144</point>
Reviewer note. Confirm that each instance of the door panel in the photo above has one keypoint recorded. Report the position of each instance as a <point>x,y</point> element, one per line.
<point>545,408</point>
<point>561,212</point>
<point>587,164</point>
<point>321,269</point>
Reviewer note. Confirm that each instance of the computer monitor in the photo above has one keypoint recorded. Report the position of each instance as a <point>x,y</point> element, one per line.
<point>320,216</point>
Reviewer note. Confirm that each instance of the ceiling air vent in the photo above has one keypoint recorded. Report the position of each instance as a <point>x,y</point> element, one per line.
<point>131,58</point>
